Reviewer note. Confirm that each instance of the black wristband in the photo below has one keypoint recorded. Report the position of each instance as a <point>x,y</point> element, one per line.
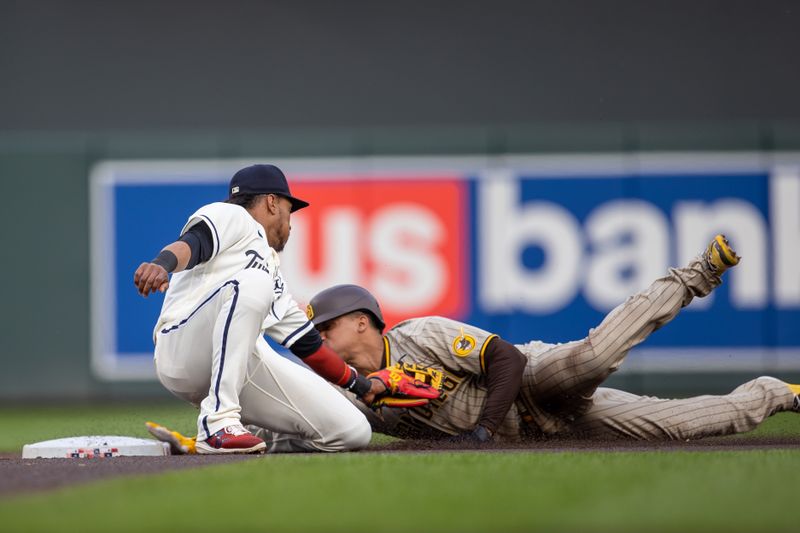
<point>166,260</point>
<point>360,386</point>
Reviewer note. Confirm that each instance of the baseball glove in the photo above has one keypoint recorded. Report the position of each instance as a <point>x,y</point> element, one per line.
<point>407,386</point>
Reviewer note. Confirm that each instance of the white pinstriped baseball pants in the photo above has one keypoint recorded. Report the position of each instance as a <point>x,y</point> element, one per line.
<point>218,360</point>
<point>560,385</point>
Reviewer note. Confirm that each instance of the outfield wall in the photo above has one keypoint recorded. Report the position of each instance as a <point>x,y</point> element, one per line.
<point>46,225</point>
<point>85,82</point>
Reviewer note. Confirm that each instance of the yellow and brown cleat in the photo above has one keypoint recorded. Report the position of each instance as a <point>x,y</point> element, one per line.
<point>179,444</point>
<point>719,255</point>
<point>796,391</point>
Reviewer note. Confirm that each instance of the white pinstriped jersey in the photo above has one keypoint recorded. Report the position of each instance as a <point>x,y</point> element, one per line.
<point>239,243</point>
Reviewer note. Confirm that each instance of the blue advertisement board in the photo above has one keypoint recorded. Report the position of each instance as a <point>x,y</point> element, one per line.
<point>530,248</point>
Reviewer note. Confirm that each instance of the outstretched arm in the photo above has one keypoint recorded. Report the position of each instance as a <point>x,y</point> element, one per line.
<point>390,386</point>
<point>195,246</point>
<point>332,367</point>
<point>154,275</point>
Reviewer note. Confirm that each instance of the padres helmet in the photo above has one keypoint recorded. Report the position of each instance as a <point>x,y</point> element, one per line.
<point>340,300</point>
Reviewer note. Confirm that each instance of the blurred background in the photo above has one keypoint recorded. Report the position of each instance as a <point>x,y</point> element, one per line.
<point>520,165</point>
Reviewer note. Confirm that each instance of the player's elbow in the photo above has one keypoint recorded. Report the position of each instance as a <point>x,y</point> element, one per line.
<point>520,361</point>
<point>509,356</point>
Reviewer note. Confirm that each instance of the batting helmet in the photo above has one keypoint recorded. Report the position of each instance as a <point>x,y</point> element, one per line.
<point>340,300</point>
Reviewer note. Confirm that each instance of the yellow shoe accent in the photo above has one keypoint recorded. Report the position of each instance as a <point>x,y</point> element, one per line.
<point>720,256</point>
<point>796,391</point>
<point>179,444</point>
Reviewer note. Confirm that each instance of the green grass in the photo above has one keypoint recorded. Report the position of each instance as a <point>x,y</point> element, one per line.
<point>442,492</point>
<point>731,491</point>
<point>33,424</point>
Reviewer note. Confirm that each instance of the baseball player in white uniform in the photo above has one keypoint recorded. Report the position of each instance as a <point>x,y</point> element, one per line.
<point>226,291</point>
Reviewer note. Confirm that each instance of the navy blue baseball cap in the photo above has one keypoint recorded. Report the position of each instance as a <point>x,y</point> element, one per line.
<point>263,179</point>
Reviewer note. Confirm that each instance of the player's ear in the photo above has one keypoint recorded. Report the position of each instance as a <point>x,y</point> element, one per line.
<point>272,203</point>
<point>363,323</point>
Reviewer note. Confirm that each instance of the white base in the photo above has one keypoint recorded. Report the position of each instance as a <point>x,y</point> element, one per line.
<point>94,447</point>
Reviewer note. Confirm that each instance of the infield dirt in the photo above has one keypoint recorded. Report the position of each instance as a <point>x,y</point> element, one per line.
<point>19,475</point>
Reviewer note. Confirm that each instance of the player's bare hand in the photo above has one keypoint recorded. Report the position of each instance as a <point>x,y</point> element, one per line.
<point>378,388</point>
<point>150,278</point>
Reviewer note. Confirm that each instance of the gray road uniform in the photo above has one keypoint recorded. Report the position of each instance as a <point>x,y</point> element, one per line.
<point>560,393</point>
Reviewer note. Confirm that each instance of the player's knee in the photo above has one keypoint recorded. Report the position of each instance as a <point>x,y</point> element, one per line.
<point>597,358</point>
<point>359,436</point>
<point>354,437</point>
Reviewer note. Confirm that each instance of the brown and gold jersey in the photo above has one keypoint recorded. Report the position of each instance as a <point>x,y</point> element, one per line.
<point>454,349</point>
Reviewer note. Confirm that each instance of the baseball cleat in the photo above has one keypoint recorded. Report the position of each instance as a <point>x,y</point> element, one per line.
<point>179,444</point>
<point>796,391</point>
<point>719,256</point>
<point>231,439</point>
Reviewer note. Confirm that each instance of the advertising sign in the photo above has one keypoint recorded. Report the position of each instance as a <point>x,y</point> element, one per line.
<point>530,248</point>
